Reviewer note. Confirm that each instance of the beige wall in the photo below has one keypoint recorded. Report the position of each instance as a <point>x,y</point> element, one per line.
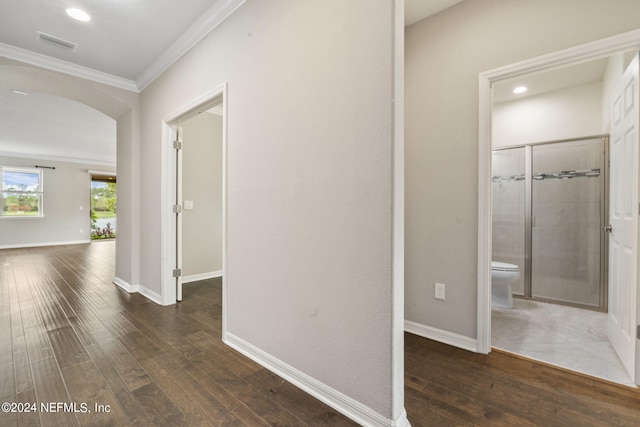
<point>66,203</point>
<point>310,141</point>
<point>202,184</point>
<point>444,55</point>
<point>563,114</point>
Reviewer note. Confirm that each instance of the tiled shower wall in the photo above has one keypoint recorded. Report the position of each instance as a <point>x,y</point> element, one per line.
<point>508,189</point>
<point>566,223</point>
<point>566,218</point>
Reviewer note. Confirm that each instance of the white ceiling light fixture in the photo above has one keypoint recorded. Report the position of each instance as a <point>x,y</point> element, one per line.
<point>520,89</point>
<point>78,14</point>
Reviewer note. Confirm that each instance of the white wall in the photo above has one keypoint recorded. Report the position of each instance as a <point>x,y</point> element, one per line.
<point>202,184</point>
<point>121,105</point>
<point>444,56</point>
<point>66,190</point>
<point>563,114</point>
<point>310,178</point>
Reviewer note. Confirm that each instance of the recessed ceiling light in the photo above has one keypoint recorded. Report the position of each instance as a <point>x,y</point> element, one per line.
<point>520,89</point>
<point>77,14</point>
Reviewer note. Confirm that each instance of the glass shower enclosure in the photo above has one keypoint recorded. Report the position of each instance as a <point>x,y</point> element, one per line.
<point>549,210</point>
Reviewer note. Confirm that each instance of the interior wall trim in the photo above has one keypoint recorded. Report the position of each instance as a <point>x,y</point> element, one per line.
<point>57,159</point>
<point>217,94</point>
<point>209,20</point>
<point>41,244</point>
<point>441,335</point>
<point>213,17</point>
<point>351,408</point>
<point>54,64</point>
<point>202,276</point>
<point>129,288</point>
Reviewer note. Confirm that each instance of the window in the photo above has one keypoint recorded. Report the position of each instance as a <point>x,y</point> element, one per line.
<point>21,192</point>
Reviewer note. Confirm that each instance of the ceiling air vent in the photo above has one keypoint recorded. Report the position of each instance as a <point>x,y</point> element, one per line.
<point>55,41</point>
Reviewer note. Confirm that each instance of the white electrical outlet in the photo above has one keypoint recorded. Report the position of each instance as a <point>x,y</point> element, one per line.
<point>440,291</point>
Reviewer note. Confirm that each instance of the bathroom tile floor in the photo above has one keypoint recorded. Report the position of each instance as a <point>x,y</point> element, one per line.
<point>568,337</point>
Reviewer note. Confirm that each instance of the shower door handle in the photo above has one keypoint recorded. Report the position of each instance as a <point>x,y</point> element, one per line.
<point>607,228</point>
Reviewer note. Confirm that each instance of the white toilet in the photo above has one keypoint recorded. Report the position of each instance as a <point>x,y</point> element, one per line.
<point>502,276</point>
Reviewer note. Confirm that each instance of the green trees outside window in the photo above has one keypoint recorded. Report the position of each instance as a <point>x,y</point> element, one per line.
<point>103,210</point>
<point>21,192</point>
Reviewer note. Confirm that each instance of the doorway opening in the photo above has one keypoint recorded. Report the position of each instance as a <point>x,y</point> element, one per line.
<point>104,206</point>
<point>194,192</point>
<point>613,47</point>
<point>199,193</point>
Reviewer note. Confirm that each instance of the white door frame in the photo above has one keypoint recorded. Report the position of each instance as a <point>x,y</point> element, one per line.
<point>168,194</point>
<point>582,53</point>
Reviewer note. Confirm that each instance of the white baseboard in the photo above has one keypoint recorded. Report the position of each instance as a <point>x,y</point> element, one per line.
<point>439,335</point>
<point>340,402</point>
<point>41,244</point>
<point>202,276</point>
<point>147,293</point>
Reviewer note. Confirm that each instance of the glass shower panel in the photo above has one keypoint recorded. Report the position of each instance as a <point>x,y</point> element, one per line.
<point>508,219</point>
<point>566,222</point>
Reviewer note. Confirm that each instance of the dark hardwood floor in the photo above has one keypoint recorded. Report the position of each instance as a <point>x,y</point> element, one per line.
<point>69,336</point>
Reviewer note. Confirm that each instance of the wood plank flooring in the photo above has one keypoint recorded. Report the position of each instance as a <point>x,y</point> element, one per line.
<point>68,335</point>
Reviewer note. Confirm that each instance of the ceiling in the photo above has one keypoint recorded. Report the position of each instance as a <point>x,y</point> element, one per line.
<point>126,44</point>
<point>417,10</point>
<point>51,127</point>
<point>548,81</point>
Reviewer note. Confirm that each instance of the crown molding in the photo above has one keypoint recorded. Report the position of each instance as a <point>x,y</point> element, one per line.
<point>49,63</point>
<point>49,158</point>
<point>213,17</point>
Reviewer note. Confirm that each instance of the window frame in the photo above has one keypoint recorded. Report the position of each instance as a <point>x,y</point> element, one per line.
<point>39,194</point>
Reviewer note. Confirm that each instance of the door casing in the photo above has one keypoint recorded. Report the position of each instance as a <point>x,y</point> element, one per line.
<point>582,53</point>
<point>216,95</point>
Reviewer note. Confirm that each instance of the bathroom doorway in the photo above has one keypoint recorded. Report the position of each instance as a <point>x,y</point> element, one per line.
<point>549,214</point>
<point>210,104</point>
<point>617,52</point>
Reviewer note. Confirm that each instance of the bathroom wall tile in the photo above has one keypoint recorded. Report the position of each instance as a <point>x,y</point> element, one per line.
<point>496,163</point>
<point>548,190</point>
<point>547,158</point>
<point>547,287</point>
<point>593,188</point>
<point>574,291</point>
<point>513,193</point>
<point>546,266</point>
<point>576,266</point>
<point>546,241</point>
<point>593,236</point>
<point>593,214</point>
<point>575,157</point>
<point>547,214</point>
<point>574,189</point>
<point>573,240</point>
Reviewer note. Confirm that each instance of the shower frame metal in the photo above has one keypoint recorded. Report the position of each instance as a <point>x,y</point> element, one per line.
<point>528,221</point>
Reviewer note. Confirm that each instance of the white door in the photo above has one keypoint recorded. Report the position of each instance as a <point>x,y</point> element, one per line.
<point>623,216</point>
